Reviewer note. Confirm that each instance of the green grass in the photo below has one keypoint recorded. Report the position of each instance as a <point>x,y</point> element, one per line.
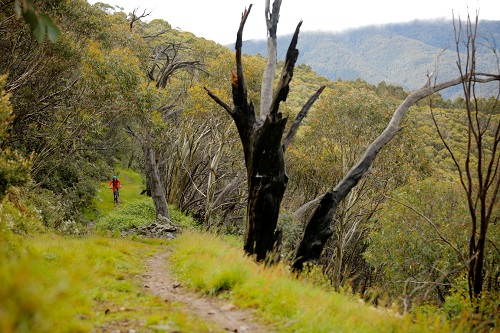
<point>51,283</point>
<point>132,185</point>
<point>211,265</point>
<point>54,283</point>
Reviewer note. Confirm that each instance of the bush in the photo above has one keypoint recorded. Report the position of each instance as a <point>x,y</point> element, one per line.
<point>18,217</point>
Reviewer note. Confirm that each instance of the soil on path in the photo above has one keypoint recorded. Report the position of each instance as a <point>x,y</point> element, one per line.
<point>225,316</point>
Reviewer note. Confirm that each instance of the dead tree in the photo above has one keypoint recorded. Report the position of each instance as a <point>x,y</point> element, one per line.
<point>168,59</point>
<point>479,172</point>
<point>134,17</point>
<point>318,228</point>
<point>263,144</point>
<point>154,182</point>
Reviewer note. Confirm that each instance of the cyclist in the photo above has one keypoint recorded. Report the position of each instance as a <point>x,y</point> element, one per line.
<point>115,184</point>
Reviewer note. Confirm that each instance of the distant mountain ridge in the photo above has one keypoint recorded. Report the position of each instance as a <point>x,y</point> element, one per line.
<point>400,53</point>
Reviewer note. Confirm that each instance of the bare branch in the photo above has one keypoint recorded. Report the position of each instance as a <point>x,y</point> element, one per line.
<point>158,34</point>
<point>283,88</point>
<point>239,85</point>
<point>301,211</point>
<point>134,18</point>
<point>219,101</point>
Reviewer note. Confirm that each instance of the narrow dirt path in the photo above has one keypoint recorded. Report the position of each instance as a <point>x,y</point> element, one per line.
<point>227,317</point>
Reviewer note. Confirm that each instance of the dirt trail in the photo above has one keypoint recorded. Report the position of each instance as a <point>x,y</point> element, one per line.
<point>227,317</point>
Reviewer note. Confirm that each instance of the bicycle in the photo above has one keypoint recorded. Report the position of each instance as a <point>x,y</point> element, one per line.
<point>116,196</point>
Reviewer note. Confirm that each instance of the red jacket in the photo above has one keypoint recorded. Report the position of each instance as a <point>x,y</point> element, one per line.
<point>115,183</point>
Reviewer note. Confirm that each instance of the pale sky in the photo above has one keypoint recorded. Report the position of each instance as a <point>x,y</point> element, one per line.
<point>218,20</point>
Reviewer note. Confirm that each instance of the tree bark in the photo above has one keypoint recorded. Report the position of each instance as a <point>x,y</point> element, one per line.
<point>266,92</point>
<point>262,144</point>
<point>155,183</point>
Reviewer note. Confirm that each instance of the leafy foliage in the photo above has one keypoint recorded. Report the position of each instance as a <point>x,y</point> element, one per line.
<point>40,24</point>
<point>13,167</point>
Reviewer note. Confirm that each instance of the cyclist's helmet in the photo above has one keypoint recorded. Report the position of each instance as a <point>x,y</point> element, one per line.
<point>114,177</point>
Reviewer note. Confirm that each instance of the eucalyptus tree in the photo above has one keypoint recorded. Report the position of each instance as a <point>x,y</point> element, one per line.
<point>63,97</point>
<point>13,167</point>
<point>170,68</point>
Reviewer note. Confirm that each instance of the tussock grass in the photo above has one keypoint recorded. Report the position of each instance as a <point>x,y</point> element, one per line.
<point>211,265</point>
<point>51,283</point>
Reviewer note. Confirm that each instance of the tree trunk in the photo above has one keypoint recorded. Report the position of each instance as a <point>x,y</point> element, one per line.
<point>267,181</point>
<point>155,183</point>
<point>262,143</point>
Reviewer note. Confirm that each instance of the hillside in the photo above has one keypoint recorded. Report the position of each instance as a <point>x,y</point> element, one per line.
<point>399,54</point>
<point>102,282</point>
<point>167,113</point>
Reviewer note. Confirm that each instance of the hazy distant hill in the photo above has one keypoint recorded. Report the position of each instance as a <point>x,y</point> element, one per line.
<point>400,54</point>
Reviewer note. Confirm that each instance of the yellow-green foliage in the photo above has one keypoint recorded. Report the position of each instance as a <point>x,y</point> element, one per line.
<point>58,284</point>
<point>13,167</point>
<point>18,217</point>
<point>211,265</point>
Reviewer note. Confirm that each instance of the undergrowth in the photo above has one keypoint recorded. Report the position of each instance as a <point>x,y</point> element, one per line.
<point>134,209</point>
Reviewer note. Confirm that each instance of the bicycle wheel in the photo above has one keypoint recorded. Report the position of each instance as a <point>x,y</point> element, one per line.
<point>116,195</point>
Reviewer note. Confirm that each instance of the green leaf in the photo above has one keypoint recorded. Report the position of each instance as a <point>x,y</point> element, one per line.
<point>53,31</point>
<point>39,32</point>
<point>30,18</point>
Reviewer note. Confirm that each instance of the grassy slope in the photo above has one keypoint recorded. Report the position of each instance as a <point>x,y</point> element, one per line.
<point>213,266</point>
<point>65,284</point>
<point>53,283</point>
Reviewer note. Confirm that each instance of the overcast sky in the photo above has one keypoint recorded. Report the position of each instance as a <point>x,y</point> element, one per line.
<point>218,20</point>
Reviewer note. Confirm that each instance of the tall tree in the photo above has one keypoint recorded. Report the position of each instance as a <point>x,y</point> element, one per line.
<point>168,60</point>
<point>262,143</point>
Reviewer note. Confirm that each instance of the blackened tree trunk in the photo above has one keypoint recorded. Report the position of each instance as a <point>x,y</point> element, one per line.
<point>262,144</point>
